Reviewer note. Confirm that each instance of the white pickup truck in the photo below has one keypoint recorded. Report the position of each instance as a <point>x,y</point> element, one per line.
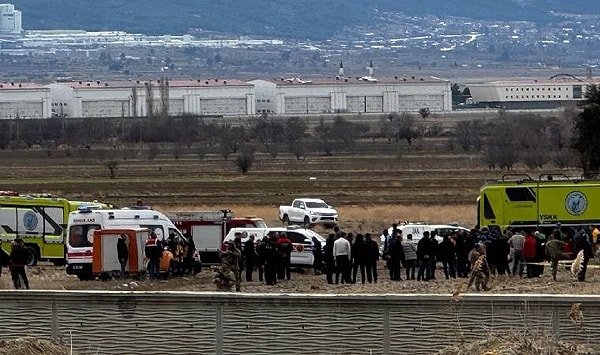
<point>309,211</point>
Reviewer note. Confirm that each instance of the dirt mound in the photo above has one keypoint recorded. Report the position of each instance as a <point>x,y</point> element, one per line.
<point>519,344</point>
<point>31,346</point>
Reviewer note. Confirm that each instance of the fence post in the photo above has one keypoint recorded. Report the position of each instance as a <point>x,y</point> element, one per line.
<point>555,321</point>
<point>54,329</point>
<point>219,330</point>
<point>386,330</point>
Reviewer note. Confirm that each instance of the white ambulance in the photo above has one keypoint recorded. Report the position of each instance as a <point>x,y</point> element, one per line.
<point>84,222</point>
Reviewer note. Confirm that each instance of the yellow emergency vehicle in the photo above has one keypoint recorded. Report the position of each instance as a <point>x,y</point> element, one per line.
<point>518,200</point>
<point>40,220</point>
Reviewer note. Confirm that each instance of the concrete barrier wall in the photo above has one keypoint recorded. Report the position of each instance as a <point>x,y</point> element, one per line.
<point>223,323</point>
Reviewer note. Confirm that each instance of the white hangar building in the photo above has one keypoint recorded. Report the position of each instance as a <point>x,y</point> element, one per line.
<point>366,94</point>
<point>24,100</point>
<point>130,98</point>
<point>560,90</point>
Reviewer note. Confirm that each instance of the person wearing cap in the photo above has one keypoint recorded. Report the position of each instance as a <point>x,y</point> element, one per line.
<point>19,257</point>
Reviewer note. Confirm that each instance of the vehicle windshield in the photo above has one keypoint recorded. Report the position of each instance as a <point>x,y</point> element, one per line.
<point>317,205</point>
<point>82,236</point>
<point>260,224</point>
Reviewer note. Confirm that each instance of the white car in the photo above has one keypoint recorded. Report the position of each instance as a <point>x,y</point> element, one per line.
<point>417,229</point>
<point>302,254</point>
<point>309,211</point>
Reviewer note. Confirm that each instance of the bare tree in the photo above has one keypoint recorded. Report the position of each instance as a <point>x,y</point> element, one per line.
<point>294,133</point>
<point>245,159</point>
<point>149,100</point>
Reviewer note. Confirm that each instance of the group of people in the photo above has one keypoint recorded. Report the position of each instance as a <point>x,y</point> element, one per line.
<point>270,256</point>
<point>479,253</point>
<point>173,256</point>
<point>345,255</point>
<point>16,261</point>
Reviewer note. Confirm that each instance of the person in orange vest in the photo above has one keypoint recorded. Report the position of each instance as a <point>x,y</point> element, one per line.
<point>153,251</point>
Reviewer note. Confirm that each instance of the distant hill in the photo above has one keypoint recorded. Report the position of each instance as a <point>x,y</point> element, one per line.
<point>310,19</point>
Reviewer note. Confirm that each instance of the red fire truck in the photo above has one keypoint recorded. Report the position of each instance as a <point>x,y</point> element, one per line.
<point>209,228</point>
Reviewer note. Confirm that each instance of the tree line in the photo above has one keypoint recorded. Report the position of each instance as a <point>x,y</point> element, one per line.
<point>566,140</point>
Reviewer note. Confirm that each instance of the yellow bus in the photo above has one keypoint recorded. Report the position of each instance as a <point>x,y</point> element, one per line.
<point>518,200</point>
<point>41,221</point>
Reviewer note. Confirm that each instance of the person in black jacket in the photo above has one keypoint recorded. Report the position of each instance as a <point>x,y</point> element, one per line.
<point>317,255</point>
<point>122,253</point>
<point>447,255</point>
<point>329,259</point>
<point>249,255</point>
<point>19,257</point>
<point>424,254</point>
<point>371,258</point>
<point>581,241</point>
<point>359,254</point>
<point>396,257</point>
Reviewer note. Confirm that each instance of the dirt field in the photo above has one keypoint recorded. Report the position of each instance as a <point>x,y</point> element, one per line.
<point>425,183</point>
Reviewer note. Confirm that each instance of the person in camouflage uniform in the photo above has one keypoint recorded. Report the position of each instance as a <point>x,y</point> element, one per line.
<point>554,253</point>
<point>224,277</point>
<point>231,256</point>
<point>480,271</point>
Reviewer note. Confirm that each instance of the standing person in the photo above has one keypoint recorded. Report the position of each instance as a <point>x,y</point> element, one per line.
<point>153,252</point>
<point>540,253</point>
<point>122,253</point>
<point>372,256</point>
<point>285,248</point>
<point>231,256</point>
<point>410,257</point>
<point>260,257</point>
<point>434,252</point>
<point>447,255</point>
<point>480,271</point>
<point>424,251</point>
<point>554,253</point>
<point>529,251</point>
<point>359,254</point>
<point>19,257</point>
<point>239,245</point>
<point>516,242</point>
<point>396,256</point>
<point>341,253</point>
<point>581,241</point>
<point>189,255</point>
<point>249,254</point>
<point>271,259</point>
<point>329,258</point>
<point>317,256</point>
<point>501,250</point>
<point>462,254</point>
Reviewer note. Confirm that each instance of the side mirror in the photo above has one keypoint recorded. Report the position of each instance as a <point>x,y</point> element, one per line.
<point>303,207</point>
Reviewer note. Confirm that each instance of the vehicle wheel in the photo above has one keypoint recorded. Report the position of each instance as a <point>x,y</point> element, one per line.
<point>84,277</point>
<point>286,220</point>
<point>32,256</point>
<point>306,222</point>
<point>59,262</point>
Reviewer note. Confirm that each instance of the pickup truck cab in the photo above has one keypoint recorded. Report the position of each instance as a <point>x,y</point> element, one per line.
<point>309,211</point>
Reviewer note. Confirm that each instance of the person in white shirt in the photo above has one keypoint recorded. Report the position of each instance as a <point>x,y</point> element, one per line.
<point>341,253</point>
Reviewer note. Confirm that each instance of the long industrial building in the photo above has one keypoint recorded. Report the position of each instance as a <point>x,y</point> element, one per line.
<point>230,97</point>
<point>558,91</point>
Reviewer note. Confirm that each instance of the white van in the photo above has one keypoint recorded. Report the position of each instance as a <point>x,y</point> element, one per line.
<point>417,229</point>
<point>302,254</point>
<point>83,223</point>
